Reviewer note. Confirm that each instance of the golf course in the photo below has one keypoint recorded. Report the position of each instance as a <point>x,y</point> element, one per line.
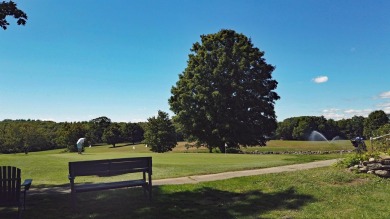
<point>328,192</point>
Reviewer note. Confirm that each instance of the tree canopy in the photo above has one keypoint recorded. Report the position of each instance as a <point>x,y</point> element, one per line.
<point>160,134</point>
<point>112,134</point>
<point>375,120</point>
<point>11,9</point>
<point>97,127</point>
<point>226,93</point>
<point>133,132</point>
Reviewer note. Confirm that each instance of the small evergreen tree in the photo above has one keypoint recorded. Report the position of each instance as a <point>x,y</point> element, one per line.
<point>160,134</point>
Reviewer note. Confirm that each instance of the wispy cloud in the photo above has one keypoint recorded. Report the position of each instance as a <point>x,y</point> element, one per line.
<point>385,95</point>
<point>385,107</point>
<point>320,79</point>
<point>384,104</point>
<point>338,114</point>
<point>358,112</point>
<point>333,114</point>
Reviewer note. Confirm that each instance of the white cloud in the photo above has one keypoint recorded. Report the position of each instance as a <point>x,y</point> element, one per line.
<point>385,95</point>
<point>332,113</point>
<point>385,107</point>
<point>332,110</point>
<point>355,112</point>
<point>320,79</point>
<point>338,114</point>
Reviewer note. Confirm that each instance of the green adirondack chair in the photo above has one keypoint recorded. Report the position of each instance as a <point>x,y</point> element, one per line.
<point>11,188</point>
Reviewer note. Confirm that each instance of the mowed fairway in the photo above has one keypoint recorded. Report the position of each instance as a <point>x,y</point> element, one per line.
<point>317,193</point>
<point>50,168</point>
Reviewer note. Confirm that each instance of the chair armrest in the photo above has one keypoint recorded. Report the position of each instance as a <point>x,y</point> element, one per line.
<point>27,184</point>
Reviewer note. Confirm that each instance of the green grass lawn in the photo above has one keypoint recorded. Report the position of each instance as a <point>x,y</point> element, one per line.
<point>50,168</point>
<point>317,193</point>
<point>279,145</point>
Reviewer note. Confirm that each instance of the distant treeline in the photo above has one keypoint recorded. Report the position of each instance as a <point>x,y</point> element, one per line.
<point>299,128</point>
<point>35,135</point>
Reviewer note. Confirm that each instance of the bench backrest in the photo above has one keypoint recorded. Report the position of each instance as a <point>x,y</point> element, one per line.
<point>9,185</point>
<point>110,167</point>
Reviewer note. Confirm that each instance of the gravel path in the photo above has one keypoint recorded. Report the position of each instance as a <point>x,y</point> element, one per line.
<point>209,177</point>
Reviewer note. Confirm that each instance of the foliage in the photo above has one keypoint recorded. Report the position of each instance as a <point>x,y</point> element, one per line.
<point>35,135</point>
<point>351,128</point>
<point>299,128</point>
<point>382,144</point>
<point>97,127</point>
<point>350,160</point>
<point>11,9</point>
<point>355,158</point>
<point>374,121</point>
<point>112,134</point>
<point>133,132</point>
<point>226,93</point>
<point>69,133</point>
<point>26,135</point>
<point>160,133</point>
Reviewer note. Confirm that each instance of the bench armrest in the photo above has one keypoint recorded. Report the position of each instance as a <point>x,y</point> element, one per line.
<point>27,184</point>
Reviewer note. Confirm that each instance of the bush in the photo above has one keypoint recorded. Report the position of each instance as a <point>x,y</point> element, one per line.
<point>350,160</point>
<point>233,150</point>
<point>355,158</point>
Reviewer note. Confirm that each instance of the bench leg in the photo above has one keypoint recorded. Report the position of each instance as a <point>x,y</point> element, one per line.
<point>73,197</point>
<point>144,187</point>
<point>150,192</point>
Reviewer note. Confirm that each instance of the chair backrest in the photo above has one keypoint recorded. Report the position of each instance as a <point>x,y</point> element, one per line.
<point>9,186</point>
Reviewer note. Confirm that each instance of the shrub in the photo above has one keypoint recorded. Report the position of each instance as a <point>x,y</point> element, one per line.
<point>355,158</point>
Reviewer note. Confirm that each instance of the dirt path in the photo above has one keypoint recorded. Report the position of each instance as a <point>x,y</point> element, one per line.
<point>210,177</point>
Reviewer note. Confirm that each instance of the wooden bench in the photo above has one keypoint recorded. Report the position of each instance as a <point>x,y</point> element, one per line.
<point>111,167</point>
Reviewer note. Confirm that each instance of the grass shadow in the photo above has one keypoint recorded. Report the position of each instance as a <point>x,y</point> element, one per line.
<point>168,202</point>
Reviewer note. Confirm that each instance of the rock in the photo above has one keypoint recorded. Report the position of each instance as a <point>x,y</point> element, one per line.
<point>383,173</point>
<point>371,159</point>
<point>363,169</point>
<point>375,166</point>
<point>385,161</point>
<point>370,172</point>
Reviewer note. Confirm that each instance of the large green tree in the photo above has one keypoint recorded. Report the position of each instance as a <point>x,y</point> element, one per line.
<point>11,9</point>
<point>226,93</point>
<point>160,134</point>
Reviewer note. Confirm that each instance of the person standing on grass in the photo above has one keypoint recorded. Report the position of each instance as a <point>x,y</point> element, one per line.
<point>80,143</point>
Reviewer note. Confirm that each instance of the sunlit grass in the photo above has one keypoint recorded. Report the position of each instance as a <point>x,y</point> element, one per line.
<point>317,193</point>
<point>50,168</point>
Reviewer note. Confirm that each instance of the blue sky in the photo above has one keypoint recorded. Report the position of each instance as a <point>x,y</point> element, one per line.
<point>78,60</point>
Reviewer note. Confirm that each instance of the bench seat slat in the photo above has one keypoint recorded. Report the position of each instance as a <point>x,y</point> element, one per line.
<point>110,185</point>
